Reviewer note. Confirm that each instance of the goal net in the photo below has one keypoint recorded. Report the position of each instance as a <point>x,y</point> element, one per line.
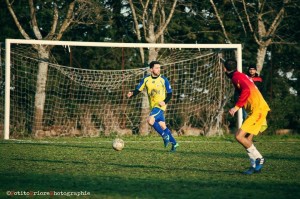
<point>86,100</point>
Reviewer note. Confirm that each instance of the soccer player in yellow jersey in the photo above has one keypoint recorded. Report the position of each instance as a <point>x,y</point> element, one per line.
<point>257,109</point>
<point>159,93</point>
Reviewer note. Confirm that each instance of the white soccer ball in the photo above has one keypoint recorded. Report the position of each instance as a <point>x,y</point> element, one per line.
<point>118,144</point>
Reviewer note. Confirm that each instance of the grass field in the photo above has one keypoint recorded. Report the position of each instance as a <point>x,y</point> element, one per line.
<point>201,168</point>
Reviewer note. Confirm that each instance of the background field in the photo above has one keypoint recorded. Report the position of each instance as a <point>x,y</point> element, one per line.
<point>201,168</point>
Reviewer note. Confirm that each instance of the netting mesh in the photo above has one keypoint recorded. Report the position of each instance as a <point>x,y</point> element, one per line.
<point>83,102</point>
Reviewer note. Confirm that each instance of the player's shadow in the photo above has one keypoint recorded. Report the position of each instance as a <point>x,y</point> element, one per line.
<point>61,145</point>
<point>51,161</point>
<point>182,169</point>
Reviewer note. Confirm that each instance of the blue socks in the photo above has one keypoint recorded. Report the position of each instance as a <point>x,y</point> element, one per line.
<point>159,130</point>
<point>172,139</point>
<point>164,133</point>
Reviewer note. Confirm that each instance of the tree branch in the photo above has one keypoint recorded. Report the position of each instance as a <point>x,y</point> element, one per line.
<point>67,21</point>
<point>161,30</point>
<point>137,30</point>
<point>154,9</point>
<point>51,34</point>
<point>145,18</point>
<point>135,20</point>
<point>34,23</point>
<point>162,20</point>
<point>239,16</point>
<point>276,22</point>
<point>249,22</point>
<point>19,26</point>
<point>220,21</point>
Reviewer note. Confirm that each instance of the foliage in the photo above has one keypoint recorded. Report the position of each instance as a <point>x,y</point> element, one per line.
<point>283,92</point>
<point>283,116</point>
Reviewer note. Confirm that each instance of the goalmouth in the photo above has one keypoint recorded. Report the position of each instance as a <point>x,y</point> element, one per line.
<point>8,64</point>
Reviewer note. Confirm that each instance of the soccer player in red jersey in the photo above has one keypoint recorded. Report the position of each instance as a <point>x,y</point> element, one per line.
<point>252,100</point>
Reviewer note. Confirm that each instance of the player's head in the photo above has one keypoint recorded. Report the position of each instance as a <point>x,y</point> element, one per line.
<point>230,66</point>
<point>151,65</point>
<point>252,70</point>
<point>155,68</point>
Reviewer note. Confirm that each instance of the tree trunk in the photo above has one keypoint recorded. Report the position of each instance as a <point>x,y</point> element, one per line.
<point>261,54</point>
<point>144,126</point>
<point>40,95</point>
<point>153,52</point>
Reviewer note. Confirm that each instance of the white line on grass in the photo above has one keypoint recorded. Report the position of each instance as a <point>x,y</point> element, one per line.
<point>128,141</point>
<point>104,141</point>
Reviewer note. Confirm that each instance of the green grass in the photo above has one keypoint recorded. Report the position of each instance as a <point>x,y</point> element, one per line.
<point>201,168</point>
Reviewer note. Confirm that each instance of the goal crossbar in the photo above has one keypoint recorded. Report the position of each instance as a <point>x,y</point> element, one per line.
<point>9,42</point>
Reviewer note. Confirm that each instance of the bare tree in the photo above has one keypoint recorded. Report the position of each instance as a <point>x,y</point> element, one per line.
<point>76,12</point>
<point>262,20</point>
<point>152,17</point>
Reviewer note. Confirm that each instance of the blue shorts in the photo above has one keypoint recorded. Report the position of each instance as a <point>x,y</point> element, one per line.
<point>158,114</point>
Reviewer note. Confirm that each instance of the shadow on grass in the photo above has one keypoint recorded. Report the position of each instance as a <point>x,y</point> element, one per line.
<point>63,145</point>
<point>152,149</point>
<point>127,187</point>
<point>218,154</point>
<point>180,151</point>
<point>181,169</point>
<point>49,161</point>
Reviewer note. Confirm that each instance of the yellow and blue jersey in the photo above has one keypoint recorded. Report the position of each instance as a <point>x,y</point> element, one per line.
<point>157,88</point>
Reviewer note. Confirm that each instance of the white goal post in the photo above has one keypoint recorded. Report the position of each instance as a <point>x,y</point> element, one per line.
<point>9,42</point>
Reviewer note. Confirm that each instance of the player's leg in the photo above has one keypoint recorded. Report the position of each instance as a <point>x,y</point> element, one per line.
<point>260,161</point>
<point>167,131</point>
<point>255,124</point>
<point>240,136</point>
<point>152,121</point>
<point>171,138</point>
<point>253,153</point>
<point>162,122</point>
<point>157,120</point>
<point>251,156</point>
<point>250,137</point>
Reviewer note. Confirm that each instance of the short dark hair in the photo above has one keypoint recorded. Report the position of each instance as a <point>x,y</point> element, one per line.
<point>252,67</point>
<point>151,65</point>
<point>230,64</point>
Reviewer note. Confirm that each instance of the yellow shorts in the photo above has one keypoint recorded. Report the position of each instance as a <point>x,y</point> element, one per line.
<point>255,123</point>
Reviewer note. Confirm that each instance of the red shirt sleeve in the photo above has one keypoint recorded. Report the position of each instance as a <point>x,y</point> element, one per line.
<point>241,83</point>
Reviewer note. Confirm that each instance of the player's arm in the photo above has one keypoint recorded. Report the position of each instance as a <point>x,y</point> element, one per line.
<point>169,92</point>
<point>242,99</point>
<point>138,89</point>
<point>166,100</point>
<point>168,97</point>
<point>133,93</point>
